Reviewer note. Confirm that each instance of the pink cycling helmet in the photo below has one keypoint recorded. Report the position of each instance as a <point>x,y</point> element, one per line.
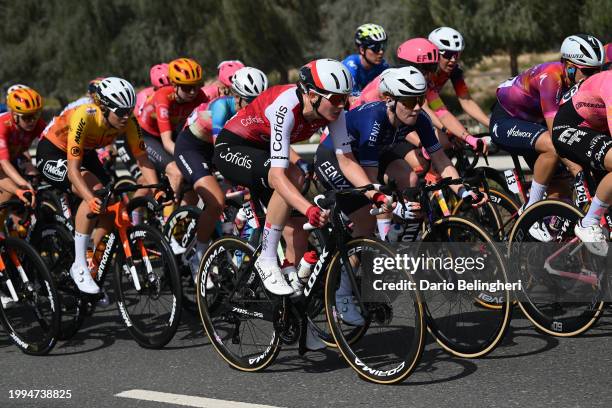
<point>418,51</point>
<point>159,75</point>
<point>227,69</point>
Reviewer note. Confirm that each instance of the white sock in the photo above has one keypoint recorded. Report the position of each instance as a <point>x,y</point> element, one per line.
<point>536,193</point>
<point>383,226</point>
<point>269,242</point>
<point>80,248</point>
<point>597,209</point>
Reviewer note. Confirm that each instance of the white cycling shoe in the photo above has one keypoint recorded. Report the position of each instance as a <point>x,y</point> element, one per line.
<point>540,232</point>
<point>84,281</point>
<point>593,237</point>
<point>272,277</point>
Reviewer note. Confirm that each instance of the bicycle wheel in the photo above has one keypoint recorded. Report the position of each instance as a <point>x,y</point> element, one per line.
<point>55,244</point>
<point>392,346</point>
<point>547,298</point>
<point>486,216</point>
<point>32,320</point>
<point>315,308</point>
<point>238,314</point>
<point>454,315</point>
<point>181,227</point>
<point>151,314</point>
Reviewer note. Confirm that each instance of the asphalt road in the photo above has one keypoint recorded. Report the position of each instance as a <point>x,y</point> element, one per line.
<point>528,369</point>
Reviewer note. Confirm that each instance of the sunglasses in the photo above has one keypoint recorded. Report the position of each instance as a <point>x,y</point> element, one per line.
<point>335,99</point>
<point>449,55</point>
<point>377,47</point>
<point>33,117</point>
<point>122,112</point>
<point>410,102</point>
<point>188,88</point>
<point>589,71</point>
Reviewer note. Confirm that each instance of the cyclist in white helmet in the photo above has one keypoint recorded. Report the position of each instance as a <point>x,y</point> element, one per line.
<point>253,150</point>
<point>376,131</point>
<point>451,44</point>
<point>67,159</point>
<point>194,151</point>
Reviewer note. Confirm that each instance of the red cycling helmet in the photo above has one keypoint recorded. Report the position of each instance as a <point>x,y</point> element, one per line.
<point>227,69</point>
<point>159,75</point>
<point>419,52</point>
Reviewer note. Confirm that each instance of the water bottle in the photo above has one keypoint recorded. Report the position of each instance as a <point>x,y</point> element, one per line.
<point>306,264</point>
<point>395,233</point>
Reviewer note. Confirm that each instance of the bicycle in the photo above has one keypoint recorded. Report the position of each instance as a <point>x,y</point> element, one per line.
<point>146,280</point>
<point>31,315</point>
<point>238,306</point>
<point>565,287</point>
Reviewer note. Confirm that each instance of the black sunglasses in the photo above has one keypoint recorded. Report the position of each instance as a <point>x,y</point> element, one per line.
<point>590,71</point>
<point>450,54</point>
<point>377,47</point>
<point>122,112</point>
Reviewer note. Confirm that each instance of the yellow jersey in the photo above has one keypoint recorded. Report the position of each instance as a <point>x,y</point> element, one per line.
<point>83,128</point>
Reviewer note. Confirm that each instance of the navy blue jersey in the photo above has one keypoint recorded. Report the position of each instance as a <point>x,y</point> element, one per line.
<point>371,133</point>
<point>361,77</point>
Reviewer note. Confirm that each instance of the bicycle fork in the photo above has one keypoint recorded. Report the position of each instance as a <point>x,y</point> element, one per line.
<point>22,275</point>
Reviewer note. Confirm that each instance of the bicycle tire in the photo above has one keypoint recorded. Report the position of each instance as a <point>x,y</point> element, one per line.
<point>542,315</point>
<point>378,356</point>
<point>149,329</point>
<point>473,334</point>
<point>39,299</point>
<point>220,312</point>
<point>55,244</point>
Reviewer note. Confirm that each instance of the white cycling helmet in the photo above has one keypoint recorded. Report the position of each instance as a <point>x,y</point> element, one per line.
<point>249,82</point>
<point>15,87</point>
<point>116,93</point>
<point>402,82</point>
<point>326,75</point>
<point>447,39</point>
<point>583,50</point>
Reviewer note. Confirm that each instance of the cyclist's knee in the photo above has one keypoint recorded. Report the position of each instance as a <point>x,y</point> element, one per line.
<point>544,144</point>
<point>173,172</point>
<point>295,175</point>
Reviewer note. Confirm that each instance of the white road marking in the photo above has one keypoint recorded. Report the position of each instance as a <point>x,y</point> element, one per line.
<point>186,400</point>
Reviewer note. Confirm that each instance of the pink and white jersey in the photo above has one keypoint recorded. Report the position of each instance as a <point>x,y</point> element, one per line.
<point>592,99</point>
<point>275,118</point>
<point>534,94</point>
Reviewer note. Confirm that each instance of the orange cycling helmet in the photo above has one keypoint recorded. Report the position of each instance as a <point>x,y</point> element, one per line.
<point>185,71</point>
<point>26,101</point>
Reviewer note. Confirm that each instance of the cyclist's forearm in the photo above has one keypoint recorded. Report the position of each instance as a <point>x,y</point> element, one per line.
<point>293,156</point>
<point>413,138</point>
<point>12,173</point>
<point>453,125</point>
<point>471,108</point>
<point>166,138</point>
<point>357,175</point>
<point>77,180</point>
<point>281,183</point>
<point>8,185</point>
